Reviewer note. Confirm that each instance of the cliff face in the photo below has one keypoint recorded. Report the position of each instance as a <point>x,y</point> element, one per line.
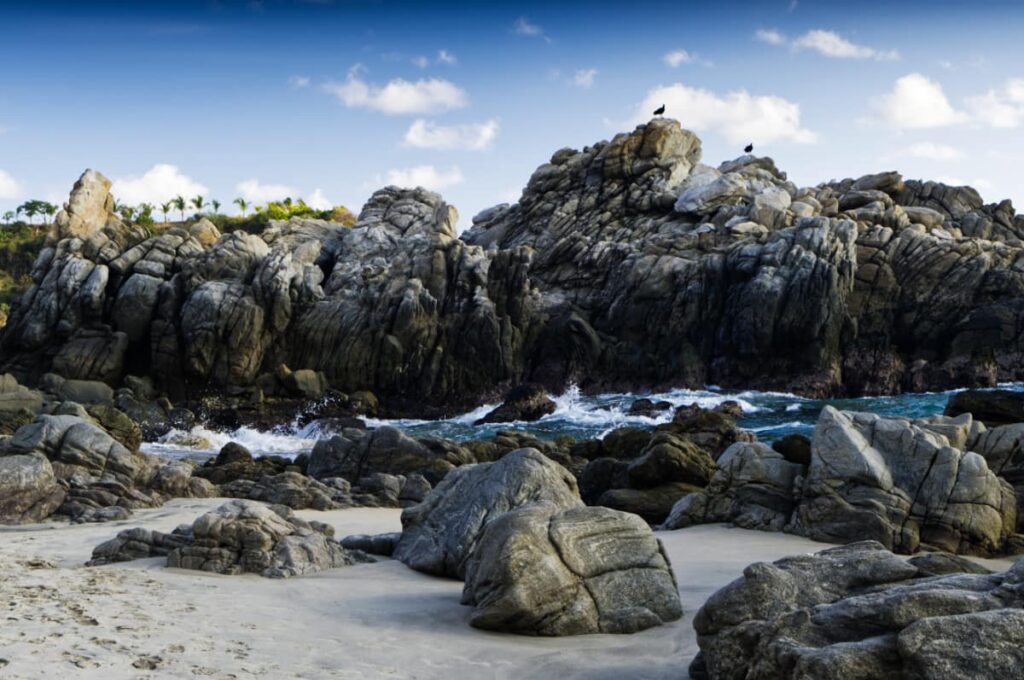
<point>627,264</point>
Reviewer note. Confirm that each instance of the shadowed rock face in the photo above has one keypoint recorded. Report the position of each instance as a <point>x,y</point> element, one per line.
<point>861,612</point>
<point>627,264</point>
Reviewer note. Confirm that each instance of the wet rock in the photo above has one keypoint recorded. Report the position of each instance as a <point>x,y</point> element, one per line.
<point>526,402</point>
<point>648,408</point>
<point>377,544</point>
<point>796,448</point>
<point>541,570</point>
<point>992,407</point>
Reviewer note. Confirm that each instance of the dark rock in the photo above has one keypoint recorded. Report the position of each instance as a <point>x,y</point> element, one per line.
<point>796,448</point>
<point>526,402</point>
<point>992,407</point>
<point>377,544</point>
<point>648,408</point>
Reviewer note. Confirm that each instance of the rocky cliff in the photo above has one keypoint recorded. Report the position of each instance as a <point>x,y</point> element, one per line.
<point>628,264</point>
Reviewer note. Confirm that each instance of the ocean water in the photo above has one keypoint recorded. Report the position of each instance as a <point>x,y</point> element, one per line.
<point>770,414</point>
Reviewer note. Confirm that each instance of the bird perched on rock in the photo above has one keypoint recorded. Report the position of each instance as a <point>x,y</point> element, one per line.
<point>748,148</point>
<point>660,110</point>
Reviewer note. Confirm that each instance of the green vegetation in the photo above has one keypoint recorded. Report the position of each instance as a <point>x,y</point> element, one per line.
<point>20,243</point>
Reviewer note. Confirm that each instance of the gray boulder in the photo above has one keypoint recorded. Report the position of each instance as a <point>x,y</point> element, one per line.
<point>859,611</point>
<point>29,492</point>
<point>356,454</point>
<point>439,534</point>
<point>244,536</point>
<point>541,570</point>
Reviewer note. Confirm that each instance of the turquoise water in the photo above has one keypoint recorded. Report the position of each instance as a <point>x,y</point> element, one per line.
<point>770,414</point>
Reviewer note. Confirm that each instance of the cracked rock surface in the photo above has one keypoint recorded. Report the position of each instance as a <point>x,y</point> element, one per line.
<point>539,570</point>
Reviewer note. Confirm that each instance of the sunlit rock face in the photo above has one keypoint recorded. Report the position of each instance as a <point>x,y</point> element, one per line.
<point>627,264</point>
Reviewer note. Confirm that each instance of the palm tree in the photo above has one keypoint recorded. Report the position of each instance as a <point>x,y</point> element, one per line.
<point>242,204</point>
<point>30,208</point>
<point>198,202</point>
<point>179,203</point>
<point>127,212</point>
<point>216,206</point>
<point>9,216</point>
<point>49,209</point>
<point>166,208</point>
<point>145,211</point>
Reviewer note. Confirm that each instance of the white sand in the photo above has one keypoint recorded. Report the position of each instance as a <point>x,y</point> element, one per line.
<point>383,620</point>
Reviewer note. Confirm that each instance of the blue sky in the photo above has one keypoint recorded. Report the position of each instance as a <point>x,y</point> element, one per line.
<point>329,100</point>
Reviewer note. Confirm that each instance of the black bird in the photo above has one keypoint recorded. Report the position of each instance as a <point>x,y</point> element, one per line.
<point>748,148</point>
<point>660,110</point>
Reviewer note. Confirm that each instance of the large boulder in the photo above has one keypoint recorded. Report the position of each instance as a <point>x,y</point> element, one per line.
<point>903,484</point>
<point>754,488</point>
<point>439,534</point>
<point>244,536</point>
<point>541,570</point>
<point>859,611</point>
<point>29,492</point>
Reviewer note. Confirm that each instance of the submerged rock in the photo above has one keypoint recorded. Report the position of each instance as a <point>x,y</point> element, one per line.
<point>541,570</point>
<point>524,403</point>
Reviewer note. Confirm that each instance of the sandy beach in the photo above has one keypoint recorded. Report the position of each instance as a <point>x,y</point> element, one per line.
<point>383,620</point>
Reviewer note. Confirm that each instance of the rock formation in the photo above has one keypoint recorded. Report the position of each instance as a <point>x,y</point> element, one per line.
<point>439,534</point>
<point>858,611</point>
<point>625,264</point>
<point>539,570</point>
<point>906,484</point>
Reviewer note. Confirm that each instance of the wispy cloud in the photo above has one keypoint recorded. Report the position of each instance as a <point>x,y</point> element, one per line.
<point>826,43</point>
<point>677,58</point>
<point>446,57</point>
<point>524,27</point>
<point>160,183</point>
<point>426,176</point>
<point>423,134</point>
<point>1001,107</point>
<point>770,36</point>
<point>584,78</point>
<point>933,152</point>
<point>257,192</point>
<point>398,96</point>
<point>738,116</point>
<point>298,82</point>
<point>421,61</point>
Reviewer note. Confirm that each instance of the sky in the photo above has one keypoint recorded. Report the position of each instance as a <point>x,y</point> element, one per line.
<point>330,100</point>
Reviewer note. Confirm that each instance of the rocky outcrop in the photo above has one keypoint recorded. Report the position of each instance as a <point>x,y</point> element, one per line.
<point>859,611</point>
<point>625,264</point>
<point>249,537</point>
<point>906,484</point>
<point>539,570</point>
<point>439,534</point>
<point>355,454</point>
<point>140,543</point>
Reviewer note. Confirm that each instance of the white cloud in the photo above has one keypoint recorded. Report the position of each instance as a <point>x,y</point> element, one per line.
<point>584,78</point>
<point>446,57</point>
<point>738,116</point>
<point>423,134</point>
<point>10,188</point>
<point>1002,108</point>
<point>254,191</point>
<point>831,44</point>
<point>159,184</point>
<point>933,152</point>
<point>426,176</point>
<point>530,30</point>
<point>398,97</point>
<point>676,58</point>
<point>318,201</point>
<point>915,102</point>
<point>421,61</point>
<point>298,82</point>
<point>770,36</point>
